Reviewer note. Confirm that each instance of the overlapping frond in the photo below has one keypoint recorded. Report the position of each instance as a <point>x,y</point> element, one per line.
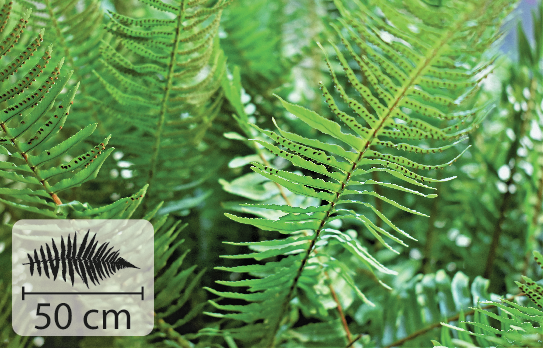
<point>163,75</point>
<point>175,284</point>
<point>411,313</point>
<point>254,40</point>
<point>36,166</point>
<point>519,323</point>
<point>76,32</point>
<point>420,67</point>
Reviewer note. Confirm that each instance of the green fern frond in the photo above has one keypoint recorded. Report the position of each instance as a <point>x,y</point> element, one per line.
<point>253,39</point>
<point>32,155</point>
<point>252,185</point>
<point>410,315</point>
<point>76,32</point>
<point>519,324</point>
<point>175,287</point>
<point>163,75</point>
<point>420,67</point>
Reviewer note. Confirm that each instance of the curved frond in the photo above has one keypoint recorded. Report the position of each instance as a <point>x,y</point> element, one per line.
<point>519,323</point>
<point>163,75</point>
<point>417,83</point>
<point>32,154</point>
<point>76,32</point>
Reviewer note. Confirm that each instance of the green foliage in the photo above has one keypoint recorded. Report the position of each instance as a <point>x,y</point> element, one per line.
<point>7,334</point>
<point>520,324</point>
<point>222,142</point>
<point>29,125</point>
<point>405,92</point>
<point>412,312</point>
<point>162,75</point>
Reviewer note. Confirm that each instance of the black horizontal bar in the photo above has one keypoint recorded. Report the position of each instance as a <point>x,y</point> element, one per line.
<point>82,293</point>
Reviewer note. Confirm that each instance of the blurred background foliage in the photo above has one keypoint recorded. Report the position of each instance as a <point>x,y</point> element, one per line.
<point>476,244</point>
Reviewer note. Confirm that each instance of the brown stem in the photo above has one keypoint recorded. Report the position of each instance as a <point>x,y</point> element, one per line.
<point>438,324</point>
<point>34,170</point>
<point>339,309</point>
<point>353,341</point>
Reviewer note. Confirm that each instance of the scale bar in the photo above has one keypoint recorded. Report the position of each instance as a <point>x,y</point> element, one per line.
<point>82,293</point>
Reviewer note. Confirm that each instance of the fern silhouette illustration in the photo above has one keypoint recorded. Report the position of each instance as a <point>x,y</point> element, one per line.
<point>86,260</point>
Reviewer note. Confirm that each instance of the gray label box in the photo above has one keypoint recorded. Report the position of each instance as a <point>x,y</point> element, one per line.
<point>109,262</point>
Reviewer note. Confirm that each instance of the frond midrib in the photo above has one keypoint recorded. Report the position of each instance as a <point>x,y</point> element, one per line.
<point>35,172</point>
<point>417,72</point>
<point>166,96</point>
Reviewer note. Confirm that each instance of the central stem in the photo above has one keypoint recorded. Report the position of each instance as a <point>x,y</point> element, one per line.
<point>166,96</point>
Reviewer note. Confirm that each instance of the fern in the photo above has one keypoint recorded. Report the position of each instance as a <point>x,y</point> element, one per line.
<point>318,200</point>
<point>405,91</point>
<point>255,40</point>
<point>163,74</point>
<point>85,259</point>
<point>520,325</point>
<point>528,75</point>
<point>176,287</point>
<point>516,323</point>
<point>29,125</point>
<point>76,32</point>
<point>415,309</point>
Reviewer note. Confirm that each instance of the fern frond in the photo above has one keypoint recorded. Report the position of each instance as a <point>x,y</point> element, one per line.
<point>414,309</point>
<point>254,40</point>
<point>417,71</point>
<point>76,32</point>
<point>29,125</point>
<point>520,324</point>
<point>163,75</point>
<point>175,284</point>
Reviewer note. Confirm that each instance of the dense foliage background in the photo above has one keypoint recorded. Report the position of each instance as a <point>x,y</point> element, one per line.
<point>166,96</point>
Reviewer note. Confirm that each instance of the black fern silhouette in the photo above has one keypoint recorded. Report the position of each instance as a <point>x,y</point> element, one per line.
<point>87,263</point>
